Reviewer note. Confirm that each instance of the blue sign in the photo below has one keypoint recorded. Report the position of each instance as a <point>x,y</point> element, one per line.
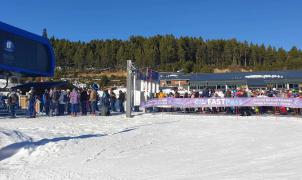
<point>25,53</point>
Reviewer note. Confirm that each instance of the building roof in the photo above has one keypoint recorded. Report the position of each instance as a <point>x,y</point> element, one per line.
<point>264,75</point>
<point>174,76</point>
<point>41,86</point>
<point>260,78</point>
<point>261,75</point>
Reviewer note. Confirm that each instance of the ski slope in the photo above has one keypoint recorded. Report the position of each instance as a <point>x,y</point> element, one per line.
<point>151,146</point>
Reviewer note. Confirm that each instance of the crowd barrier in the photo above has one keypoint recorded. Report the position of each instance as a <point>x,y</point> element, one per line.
<point>224,102</point>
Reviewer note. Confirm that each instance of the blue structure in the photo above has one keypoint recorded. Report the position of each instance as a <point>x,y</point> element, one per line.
<point>43,85</point>
<point>25,53</point>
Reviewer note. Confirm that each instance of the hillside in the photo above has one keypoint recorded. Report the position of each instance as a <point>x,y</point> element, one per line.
<point>170,53</point>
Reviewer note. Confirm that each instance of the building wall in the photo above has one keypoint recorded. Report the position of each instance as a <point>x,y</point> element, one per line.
<point>174,83</point>
<point>222,85</point>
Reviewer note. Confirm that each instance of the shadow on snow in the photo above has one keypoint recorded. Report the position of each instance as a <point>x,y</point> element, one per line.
<point>12,149</point>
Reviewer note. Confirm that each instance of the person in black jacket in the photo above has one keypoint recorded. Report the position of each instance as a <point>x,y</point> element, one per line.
<point>121,100</point>
<point>83,101</point>
<point>13,103</point>
<point>112,101</point>
<point>54,101</point>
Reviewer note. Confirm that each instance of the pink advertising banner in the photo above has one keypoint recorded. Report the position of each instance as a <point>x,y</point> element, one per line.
<point>224,102</point>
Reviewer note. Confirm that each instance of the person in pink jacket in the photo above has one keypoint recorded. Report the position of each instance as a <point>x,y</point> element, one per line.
<point>74,101</point>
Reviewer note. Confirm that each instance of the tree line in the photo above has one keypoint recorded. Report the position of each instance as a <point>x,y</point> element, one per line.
<point>169,53</point>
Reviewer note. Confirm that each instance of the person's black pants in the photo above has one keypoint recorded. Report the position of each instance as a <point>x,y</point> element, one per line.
<point>84,107</point>
<point>46,108</point>
<point>61,109</point>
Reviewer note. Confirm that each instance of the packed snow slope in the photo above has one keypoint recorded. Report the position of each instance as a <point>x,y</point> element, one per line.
<point>151,146</point>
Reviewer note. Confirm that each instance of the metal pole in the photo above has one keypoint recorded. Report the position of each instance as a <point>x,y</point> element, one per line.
<point>129,89</point>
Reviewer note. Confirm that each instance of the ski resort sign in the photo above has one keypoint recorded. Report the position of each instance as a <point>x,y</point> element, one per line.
<point>223,102</point>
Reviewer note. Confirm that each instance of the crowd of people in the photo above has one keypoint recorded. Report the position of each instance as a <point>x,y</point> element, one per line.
<point>58,102</point>
<point>236,92</point>
<point>82,101</point>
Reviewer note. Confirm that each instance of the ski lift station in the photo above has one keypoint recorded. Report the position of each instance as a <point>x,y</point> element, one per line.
<point>263,79</point>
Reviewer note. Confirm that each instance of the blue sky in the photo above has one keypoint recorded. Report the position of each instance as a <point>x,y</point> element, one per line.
<point>275,22</point>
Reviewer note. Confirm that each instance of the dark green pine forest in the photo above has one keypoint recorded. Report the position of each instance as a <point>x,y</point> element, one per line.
<point>169,53</point>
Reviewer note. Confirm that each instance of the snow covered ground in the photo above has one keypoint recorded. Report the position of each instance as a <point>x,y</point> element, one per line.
<point>151,146</point>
